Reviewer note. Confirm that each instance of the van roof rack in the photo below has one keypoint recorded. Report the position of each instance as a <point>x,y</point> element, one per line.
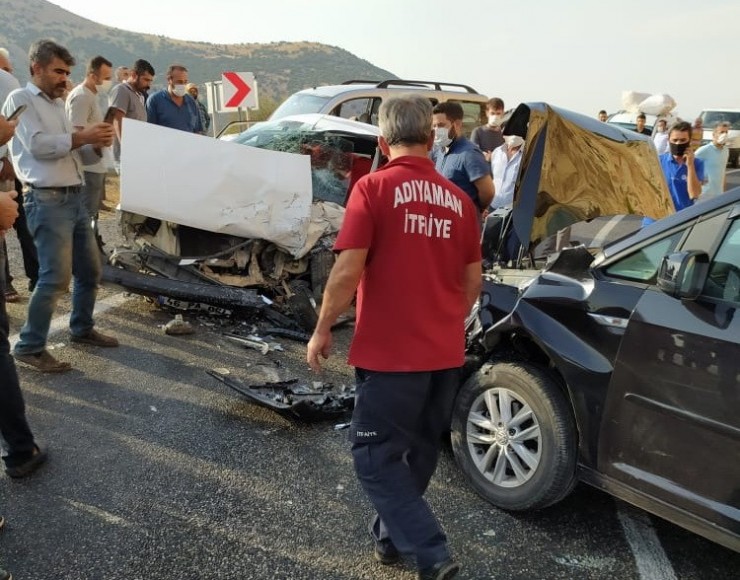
<point>438,86</point>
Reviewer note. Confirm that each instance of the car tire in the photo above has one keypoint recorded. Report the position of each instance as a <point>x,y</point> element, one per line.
<point>521,463</point>
<point>321,265</point>
<point>302,305</point>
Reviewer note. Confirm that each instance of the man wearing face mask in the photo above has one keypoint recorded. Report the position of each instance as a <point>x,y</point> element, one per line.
<point>458,159</point>
<point>684,173</point>
<point>83,110</point>
<point>489,136</point>
<point>173,107</point>
<point>715,156</point>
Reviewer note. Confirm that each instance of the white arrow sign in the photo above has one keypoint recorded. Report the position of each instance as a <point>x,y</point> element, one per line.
<point>239,91</point>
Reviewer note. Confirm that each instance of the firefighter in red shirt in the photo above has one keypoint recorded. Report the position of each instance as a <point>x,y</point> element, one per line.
<point>410,240</point>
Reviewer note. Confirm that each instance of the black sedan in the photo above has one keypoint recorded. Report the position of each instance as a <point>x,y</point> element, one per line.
<point>621,370</point>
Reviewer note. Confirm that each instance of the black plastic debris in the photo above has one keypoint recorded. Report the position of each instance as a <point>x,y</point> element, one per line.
<point>295,400</point>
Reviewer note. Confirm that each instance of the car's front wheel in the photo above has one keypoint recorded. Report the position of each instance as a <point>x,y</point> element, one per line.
<point>514,436</point>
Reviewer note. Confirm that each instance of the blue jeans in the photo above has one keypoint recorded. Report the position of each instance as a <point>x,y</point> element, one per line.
<point>60,224</point>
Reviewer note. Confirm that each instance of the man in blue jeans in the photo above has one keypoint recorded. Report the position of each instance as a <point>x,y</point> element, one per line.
<point>48,158</point>
<point>22,455</point>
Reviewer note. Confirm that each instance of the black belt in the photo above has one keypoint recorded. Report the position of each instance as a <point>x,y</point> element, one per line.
<point>61,189</point>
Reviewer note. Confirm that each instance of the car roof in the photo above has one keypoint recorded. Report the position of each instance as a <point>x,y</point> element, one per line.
<point>720,110</point>
<point>331,91</point>
<point>680,217</point>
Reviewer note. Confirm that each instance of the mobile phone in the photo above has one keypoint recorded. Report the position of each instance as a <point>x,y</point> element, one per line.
<point>15,114</point>
<point>110,115</point>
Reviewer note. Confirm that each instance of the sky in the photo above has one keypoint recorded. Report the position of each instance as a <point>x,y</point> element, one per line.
<point>576,54</point>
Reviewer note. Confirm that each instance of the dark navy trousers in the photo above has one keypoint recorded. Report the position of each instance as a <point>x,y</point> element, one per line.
<point>13,424</point>
<point>396,433</point>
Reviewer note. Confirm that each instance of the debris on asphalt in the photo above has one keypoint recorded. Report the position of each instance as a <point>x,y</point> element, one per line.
<point>294,400</point>
<point>178,326</point>
<point>341,426</point>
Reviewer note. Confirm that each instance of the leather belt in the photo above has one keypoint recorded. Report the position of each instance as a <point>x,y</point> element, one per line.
<point>61,189</point>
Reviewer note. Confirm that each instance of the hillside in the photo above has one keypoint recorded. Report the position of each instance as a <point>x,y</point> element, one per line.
<point>281,68</point>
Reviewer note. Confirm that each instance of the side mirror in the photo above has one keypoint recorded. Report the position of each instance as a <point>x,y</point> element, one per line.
<point>683,274</point>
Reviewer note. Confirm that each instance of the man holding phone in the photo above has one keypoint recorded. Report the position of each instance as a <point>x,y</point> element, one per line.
<point>48,157</point>
<point>84,111</point>
<point>683,172</point>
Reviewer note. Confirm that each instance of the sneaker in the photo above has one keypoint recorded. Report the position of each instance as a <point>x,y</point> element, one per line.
<point>95,338</point>
<point>440,571</point>
<point>43,362</point>
<point>11,294</point>
<point>2,522</point>
<point>5,575</point>
<point>37,459</point>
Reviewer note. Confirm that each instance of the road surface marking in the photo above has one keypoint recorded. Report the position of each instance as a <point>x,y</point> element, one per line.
<point>99,513</point>
<point>62,322</point>
<point>652,562</point>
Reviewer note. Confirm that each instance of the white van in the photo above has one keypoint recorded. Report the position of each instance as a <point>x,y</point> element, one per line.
<point>710,118</point>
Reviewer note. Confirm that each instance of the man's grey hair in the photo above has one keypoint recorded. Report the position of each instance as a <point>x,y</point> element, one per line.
<point>44,51</point>
<point>721,125</point>
<point>406,120</point>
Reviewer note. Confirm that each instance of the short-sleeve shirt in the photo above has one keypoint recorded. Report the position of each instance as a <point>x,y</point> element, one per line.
<point>83,109</point>
<point>676,175</point>
<point>162,110</point>
<point>462,164</point>
<point>715,165</point>
<point>124,97</point>
<point>487,138</point>
<point>421,232</point>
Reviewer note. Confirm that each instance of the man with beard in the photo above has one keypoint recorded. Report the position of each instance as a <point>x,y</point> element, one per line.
<point>458,159</point>
<point>129,97</point>
<point>173,107</point>
<point>48,158</point>
<point>683,171</point>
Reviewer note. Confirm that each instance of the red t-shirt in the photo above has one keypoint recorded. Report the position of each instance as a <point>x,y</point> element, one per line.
<point>421,232</point>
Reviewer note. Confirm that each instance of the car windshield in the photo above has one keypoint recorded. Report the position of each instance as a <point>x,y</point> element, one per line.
<point>299,104</point>
<point>711,118</point>
<point>332,158</point>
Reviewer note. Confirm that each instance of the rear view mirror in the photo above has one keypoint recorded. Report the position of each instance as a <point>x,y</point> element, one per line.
<point>683,274</point>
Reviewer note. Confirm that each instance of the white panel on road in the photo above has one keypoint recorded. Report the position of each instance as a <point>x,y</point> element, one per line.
<point>216,185</point>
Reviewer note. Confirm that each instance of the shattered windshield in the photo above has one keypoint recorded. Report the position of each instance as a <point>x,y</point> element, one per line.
<point>299,104</point>
<point>331,155</point>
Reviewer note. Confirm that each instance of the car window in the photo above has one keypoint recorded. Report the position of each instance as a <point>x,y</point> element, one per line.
<point>723,281</point>
<point>473,115</point>
<point>355,109</point>
<point>703,235</point>
<point>711,118</point>
<point>642,265</point>
<point>299,104</point>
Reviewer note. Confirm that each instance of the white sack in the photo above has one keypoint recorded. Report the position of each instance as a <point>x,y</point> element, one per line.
<point>658,105</point>
<point>631,100</point>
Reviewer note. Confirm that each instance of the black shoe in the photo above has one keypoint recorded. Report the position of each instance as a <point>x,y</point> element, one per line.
<point>385,552</point>
<point>5,575</point>
<point>440,571</point>
<point>36,460</point>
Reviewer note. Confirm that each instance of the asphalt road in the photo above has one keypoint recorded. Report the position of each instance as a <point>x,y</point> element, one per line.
<point>158,471</point>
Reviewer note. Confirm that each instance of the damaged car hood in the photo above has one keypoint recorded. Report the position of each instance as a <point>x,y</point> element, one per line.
<point>576,168</point>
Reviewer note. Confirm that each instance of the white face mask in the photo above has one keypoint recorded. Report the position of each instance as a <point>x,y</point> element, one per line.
<point>495,120</point>
<point>105,86</point>
<point>513,141</point>
<point>442,137</point>
<point>721,138</point>
<point>179,90</point>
